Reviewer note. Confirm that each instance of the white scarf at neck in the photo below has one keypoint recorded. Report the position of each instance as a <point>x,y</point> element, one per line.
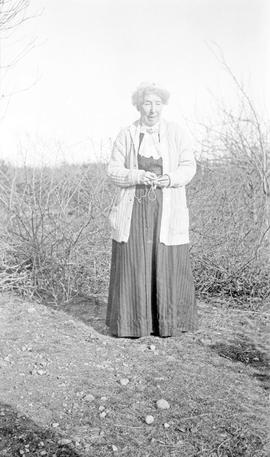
<point>150,143</point>
<point>150,129</point>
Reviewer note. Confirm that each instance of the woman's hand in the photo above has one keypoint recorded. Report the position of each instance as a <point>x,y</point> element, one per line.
<point>148,178</point>
<point>163,181</point>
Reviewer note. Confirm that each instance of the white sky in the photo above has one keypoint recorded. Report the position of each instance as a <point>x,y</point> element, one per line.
<point>74,87</point>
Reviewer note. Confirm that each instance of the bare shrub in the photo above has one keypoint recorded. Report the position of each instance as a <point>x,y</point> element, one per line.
<point>230,200</point>
<point>54,236</point>
<point>12,13</point>
<point>228,242</point>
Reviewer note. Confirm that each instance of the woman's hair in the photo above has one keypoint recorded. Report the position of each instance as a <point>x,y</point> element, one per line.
<point>148,88</point>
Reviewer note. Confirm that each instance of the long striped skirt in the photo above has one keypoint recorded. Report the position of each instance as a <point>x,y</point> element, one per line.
<point>151,285</point>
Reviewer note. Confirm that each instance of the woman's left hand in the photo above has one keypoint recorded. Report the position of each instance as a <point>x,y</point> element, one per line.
<point>163,181</point>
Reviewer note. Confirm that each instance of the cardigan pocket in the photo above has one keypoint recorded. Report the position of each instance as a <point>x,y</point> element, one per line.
<point>113,216</point>
<point>121,210</point>
<point>114,211</point>
<point>179,222</point>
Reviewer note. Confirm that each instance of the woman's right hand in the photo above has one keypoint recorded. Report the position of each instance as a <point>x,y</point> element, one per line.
<point>148,178</point>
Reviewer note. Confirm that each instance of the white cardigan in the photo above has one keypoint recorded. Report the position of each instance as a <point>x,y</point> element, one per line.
<point>178,163</point>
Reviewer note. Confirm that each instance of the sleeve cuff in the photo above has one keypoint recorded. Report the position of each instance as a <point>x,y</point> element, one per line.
<point>168,176</point>
<point>170,179</point>
<point>136,176</point>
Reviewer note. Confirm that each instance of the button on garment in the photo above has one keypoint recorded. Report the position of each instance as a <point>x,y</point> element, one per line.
<point>151,285</point>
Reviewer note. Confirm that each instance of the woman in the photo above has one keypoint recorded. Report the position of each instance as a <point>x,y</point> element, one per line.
<point>151,288</point>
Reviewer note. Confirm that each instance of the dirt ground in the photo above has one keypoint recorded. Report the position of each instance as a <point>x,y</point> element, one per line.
<point>69,389</point>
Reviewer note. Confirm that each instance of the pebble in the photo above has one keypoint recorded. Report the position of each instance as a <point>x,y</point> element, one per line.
<point>101,408</point>
<point>152,347</point>
<point>166,425</point>
<point>104,398</point>
<point>114,448</point>
<point>181,429</point>
<point>43,452</point>
<point>31,310</point>
<point>89,397</point>
<point>162,404</point>
<point>103,414</point>
<point>149,419</point>
<point>124,381</point>
<point>41,372</point>
<point>55,424</point>
<point>64,441</point>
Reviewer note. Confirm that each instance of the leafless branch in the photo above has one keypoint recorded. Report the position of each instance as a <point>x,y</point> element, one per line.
<point>12,13</point>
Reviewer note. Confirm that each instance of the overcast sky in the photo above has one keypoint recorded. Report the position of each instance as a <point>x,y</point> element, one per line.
<point>73,87</point>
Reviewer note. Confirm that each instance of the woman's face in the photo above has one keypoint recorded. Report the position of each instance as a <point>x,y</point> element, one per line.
<point>151,109</point>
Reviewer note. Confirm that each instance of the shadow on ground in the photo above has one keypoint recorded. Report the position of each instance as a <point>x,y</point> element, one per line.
<point>245,351</point>
<point>91,311</point>
<point>20,436</point>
